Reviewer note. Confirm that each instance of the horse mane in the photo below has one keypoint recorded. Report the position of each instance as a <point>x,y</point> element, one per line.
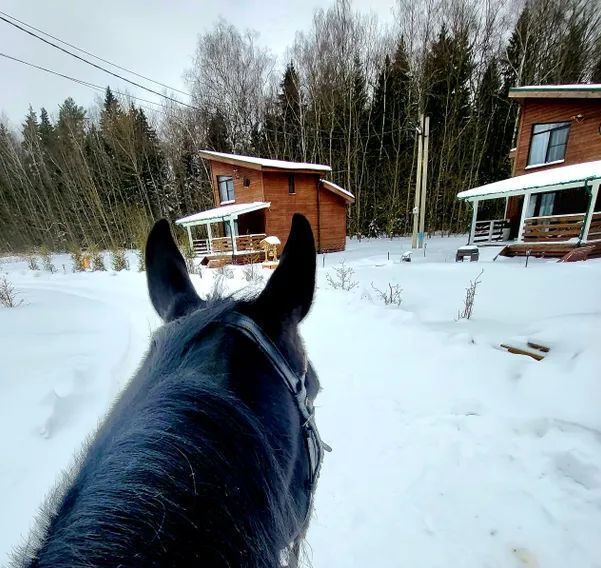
<point>165,478</point>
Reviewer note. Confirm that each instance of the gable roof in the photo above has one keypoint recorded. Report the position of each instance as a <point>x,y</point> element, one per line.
<point>544,180</point>
<point>331,186</point>
<point>264,164</point>
<point>576,91</point>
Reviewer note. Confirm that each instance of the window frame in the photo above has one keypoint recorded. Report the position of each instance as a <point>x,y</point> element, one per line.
<point>291,185</point>
<point>228,197</point>
<point>554,127</point>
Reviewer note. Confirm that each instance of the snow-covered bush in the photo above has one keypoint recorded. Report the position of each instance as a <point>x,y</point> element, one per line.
<point>342,278</point>
<point>97,259</point>
<point>77,258</point>
<point>32,261</point>
<point>9,296</point>
<point>118,260</point>
<point>225,272</point>
<point>252,274</point>
<point>46,258</point>
<point>390,296</point>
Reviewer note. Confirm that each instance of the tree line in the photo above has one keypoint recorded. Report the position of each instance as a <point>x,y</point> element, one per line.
<point>349,96</point>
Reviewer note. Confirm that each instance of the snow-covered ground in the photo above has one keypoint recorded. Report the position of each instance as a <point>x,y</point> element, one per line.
<point>448,451</point>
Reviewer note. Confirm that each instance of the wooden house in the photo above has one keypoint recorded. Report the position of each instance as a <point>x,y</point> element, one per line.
<point>552,202</point>
<point>257,197</point>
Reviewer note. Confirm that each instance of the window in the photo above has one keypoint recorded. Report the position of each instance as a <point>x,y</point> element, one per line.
<point>291,188</point>
<point>548,143</point>
<point>226,228</point>
<point>226,188</point>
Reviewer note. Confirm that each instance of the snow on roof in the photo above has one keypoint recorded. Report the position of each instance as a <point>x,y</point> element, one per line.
<point>264,162</point>
<point>577,90</point>
<point>554,177</point>
<point>337,189</point>
<point>219,213</point>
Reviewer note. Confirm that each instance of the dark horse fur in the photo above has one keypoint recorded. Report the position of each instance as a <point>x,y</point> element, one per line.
<point>201,462</point>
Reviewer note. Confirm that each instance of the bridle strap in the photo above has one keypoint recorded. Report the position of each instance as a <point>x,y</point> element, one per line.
<point>295,384</point>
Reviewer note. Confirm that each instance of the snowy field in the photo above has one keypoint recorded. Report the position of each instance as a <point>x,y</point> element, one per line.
<point>448,451</point>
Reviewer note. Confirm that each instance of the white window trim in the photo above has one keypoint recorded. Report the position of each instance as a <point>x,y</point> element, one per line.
<point>227,202</point>
<point>544,164</point>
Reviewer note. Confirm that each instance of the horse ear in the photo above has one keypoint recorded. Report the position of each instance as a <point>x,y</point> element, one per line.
<point>171,291</point>
<point>288,295</point>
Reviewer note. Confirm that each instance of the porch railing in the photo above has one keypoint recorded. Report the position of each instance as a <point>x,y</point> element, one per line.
<point>594,232</point>
<point>490,231</point>
<point>553,228</point>
<point>223,245</point>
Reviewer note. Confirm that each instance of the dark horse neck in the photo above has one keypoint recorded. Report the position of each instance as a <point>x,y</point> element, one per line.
<point>195,468</point>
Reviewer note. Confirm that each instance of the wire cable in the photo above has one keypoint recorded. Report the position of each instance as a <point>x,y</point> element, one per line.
<point>94,56</point>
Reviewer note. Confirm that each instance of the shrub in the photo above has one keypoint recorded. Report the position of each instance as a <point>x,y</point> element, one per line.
<point>46,258</point>
<point>470,296</point>
<point>342,278</point>
<point>77,258</point>
<point>118,260</point>
<point>390,296</point>
<point>32,262</point>
<point>96,259</point>
<point>9,296</point>
<point>225,272</point>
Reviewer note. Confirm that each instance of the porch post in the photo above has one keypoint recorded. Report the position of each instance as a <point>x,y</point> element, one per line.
<point>520,237</point>
<point>233,235</point>
<point>473,227</point>
<point>210,237</point>
<point>190,237</point>
<point>590,211</point>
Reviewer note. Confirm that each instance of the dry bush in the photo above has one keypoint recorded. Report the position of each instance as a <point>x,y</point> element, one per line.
<point>77,258</point>
<point>343,277</point>
<point>470,296</point>
<point>252,272</point>
<point>32,261</point>
<point>390,296</point>
<point>96,259</point>
<point>46,258</point>
<point>9,296</point>
<point>225,272</point>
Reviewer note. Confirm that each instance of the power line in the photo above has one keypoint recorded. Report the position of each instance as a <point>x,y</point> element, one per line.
<point>97,66</point>
<point>74,79</point>
<point>94,56</point>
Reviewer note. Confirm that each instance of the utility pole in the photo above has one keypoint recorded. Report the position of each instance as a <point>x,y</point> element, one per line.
<point>418,180</point>
<point>422,207</point>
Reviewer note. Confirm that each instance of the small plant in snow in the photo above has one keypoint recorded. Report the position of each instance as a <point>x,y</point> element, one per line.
<point>96,259</point>
<point>189,257</point>
<point>251,274</point>
<point>225,272</point>
<point>8,294</point>
<point>77,258</point>
<point>390,296</point>
<point>470,296</point>
<point>118,260</point>
<point>46,258</point>
<point>343,277</point>
<point>32,261</point>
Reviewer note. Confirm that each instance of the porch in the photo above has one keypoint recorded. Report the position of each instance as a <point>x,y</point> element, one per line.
<point>232,232</point>
<point>547,213</point>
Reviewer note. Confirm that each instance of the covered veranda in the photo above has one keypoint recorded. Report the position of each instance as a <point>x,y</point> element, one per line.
<point>230,230</point>
<point>547,212</point>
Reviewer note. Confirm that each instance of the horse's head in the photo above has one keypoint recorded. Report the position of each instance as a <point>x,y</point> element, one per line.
<point>242,351</point>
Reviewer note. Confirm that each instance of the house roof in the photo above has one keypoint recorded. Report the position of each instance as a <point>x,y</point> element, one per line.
<point>221,213</point>
<point>576,91</point>
<point>338,190</point>
<point>544,180</point>
<point>263,163</point>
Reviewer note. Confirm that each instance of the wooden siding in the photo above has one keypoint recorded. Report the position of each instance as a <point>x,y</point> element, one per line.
<point>332,209</point>
<point>584,140</point>
<point>284,205</point>
<point>254,192</point>
<point>273,187</point>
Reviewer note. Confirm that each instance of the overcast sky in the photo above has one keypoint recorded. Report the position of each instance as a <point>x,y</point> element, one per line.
<point>153,37</point>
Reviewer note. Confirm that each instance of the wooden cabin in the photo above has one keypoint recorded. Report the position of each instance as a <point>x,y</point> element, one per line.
<point>552,203</point>
<point>257,197</point>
